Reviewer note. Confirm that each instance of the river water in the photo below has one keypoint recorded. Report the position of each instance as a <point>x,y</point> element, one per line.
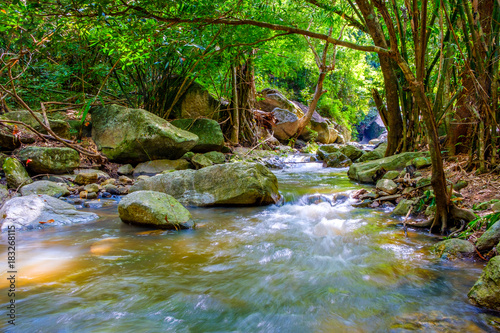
<point>312,264</point>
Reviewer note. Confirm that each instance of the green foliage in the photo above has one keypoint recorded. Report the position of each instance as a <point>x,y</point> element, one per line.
<point>478,224</point>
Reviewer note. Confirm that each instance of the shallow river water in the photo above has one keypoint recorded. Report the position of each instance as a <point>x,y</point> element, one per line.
<point>313,264</point>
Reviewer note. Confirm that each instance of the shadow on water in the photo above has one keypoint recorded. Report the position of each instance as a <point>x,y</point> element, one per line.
<point>312,264</point>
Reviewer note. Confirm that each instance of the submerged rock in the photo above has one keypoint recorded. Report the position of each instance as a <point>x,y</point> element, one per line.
<point>154,209</point>
<point>15,173</point>
<point>208,131</point>
<point>486,291</point>
<point>56,160</point>
<point>325,150</point>
<point>134,135</point>
<point>223,184</point>
<point>38,211</point>
<point>45,187</point>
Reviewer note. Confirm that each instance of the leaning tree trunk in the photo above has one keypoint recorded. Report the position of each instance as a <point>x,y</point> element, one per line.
<point>394,120</point>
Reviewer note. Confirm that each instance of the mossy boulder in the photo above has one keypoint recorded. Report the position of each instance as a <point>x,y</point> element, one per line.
<point>158,166</point>
<point>201,161</point>
<point>216,157</point>
<point>375,154</point>
<point>15,173</point>
<point>490,238</point>
<point>60,127</point>
<point>453,248</point>
<point>387,185</point>
<point>126,169</point>
<point>325,150</point>
<point>56,160</point>
<point>222,184</point>
<point>421,162</point>
<point>45,187</point>
<point>371,171</point>
<point>154,209</point>
<point>403,207</point>
<point>127,135</point>
<point>208,131</point>
<point>352,152</point>
<point>336,160</point>
<point>393,174</point>
<point>486,291</point>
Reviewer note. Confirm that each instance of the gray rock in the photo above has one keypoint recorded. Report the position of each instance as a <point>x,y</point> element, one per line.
<point>126,169</point>
<point>208,131</point>
<point>286,125</point>
<point>490,238</point>
<point>222,184</point>
<point>486,291</point>
<point>134,135</point>
<point>387,186</point>
<point>60,127</point>
<point>101,175</point>
<point>15,173</point>
<point>154,209</point>
<point>56,160</point>
<point>158,166</point>
<point>45,187</point>
<point>453,248</point>
<point>28,211</point>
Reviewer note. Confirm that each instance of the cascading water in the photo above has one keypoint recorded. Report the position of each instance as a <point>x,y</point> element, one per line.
<point>311,264</point>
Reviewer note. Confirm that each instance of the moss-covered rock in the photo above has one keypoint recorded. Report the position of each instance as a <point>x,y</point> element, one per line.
<point>421,162</point>
<point>208,131</point>
<point>222,184</point>
<point>15,173</point>
<point>154,209</point>
<point>45,187</point>
<point>55,160</point>
<point>453,248</point>
<point>371,171</point>
<point>8,142</point>
<point>134,135</point>
<point>126,169</point>
<point>393,174</point>
<point>60,127</point>
<point>336,160</point>
<point>216,157</point>
<point>490,238</point>
<point>387,185</point>
<point>486,291</point>
<point>352,152</point>
<point>403,207</point>
<point>325,150</point>
<point>158,166</point>
<point>375,154</point>
<point>201,161</point>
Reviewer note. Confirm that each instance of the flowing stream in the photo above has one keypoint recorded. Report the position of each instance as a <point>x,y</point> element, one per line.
<point>313,264</point>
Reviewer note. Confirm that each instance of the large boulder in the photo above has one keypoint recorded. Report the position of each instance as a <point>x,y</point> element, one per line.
<point>154,209</point>
<point>371,171</point>
<point>222,184</point>
<point>325,150</point>
<point>38,211</point>
<point>134,135</point>
<point>272,99</point>
<point>15,173</point>
<point>60,127</point>
<point>486,291</point>
<point>45,187</point>
<point>286,125</point>
<point>490,238</point>
<point>158,166</point>
<point>197,102</point>
<point>57,160</point>
<point>208,131</point>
